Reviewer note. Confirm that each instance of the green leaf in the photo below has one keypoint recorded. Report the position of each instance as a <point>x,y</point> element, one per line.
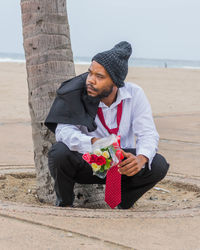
<point>104,149</point>
<point>102,169</point>
<point>107,165</point>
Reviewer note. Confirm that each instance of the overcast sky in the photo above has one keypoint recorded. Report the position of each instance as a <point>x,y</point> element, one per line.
<point>165,29</point>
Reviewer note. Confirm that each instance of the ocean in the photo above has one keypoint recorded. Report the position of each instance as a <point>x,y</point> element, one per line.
<point>135,62</point>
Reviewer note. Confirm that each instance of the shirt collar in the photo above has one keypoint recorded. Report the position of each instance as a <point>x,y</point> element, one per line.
<point>122,94</point>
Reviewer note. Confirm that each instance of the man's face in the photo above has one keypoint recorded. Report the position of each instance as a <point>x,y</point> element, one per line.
<point>98,82</point>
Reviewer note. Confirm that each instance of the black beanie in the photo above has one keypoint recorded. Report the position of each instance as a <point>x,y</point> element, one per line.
<point>115,62</point>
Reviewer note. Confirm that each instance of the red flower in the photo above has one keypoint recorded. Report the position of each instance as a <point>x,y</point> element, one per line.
<point>101,160</point>
<point>93,159</point>
<point>86,157</point>
<point>119,155</point>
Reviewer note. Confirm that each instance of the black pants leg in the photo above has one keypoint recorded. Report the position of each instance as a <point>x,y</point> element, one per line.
<point>68,167</point>
<point>133,187</point>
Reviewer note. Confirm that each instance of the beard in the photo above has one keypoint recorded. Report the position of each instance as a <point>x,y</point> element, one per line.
<point>103,94</point>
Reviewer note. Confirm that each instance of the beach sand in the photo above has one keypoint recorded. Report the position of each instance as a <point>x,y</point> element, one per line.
<point>168,90</point>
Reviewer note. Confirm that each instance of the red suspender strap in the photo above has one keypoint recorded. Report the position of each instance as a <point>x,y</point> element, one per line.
<point>119,116</point>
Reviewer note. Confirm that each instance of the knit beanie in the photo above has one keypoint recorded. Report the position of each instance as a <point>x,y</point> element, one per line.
<point>115,62</point>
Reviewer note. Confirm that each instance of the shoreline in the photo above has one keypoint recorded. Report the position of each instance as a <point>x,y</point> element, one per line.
<point>130,66</point>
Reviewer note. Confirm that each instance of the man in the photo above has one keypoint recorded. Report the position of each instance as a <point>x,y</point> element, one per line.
<point>80,126</point>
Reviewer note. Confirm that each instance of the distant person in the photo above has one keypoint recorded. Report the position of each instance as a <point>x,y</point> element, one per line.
<point>165,65</point>
<point>74,120</point>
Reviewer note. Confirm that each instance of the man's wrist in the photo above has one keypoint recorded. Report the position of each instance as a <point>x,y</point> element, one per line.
<point>143,159</point>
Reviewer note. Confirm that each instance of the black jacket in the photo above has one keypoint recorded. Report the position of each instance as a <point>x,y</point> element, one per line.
<point>72,105</point>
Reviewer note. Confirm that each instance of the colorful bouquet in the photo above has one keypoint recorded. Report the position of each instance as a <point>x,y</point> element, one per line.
<point>106,153</point>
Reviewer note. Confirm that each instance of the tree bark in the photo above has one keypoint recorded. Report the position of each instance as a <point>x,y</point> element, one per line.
<point>49,62</point>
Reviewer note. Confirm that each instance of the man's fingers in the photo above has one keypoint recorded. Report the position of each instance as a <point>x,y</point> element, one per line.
<point>127,156</point>
<point>124,153</point>
<point>126,161</point>
<point>132,173</point>
<point>129,166</point>
<point>126,168</point>
<point>126,172</point>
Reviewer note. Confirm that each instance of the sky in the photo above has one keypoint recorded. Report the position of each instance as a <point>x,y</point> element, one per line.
<point>157,29</point>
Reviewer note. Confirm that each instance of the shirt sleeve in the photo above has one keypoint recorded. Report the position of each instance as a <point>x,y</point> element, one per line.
<point>147,137</point>
<point>72,136</point>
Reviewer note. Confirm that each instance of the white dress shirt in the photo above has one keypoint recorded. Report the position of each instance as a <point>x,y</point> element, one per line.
<point>137,128</point>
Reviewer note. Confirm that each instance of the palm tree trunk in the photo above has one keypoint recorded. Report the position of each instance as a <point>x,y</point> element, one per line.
<point>49,62</point>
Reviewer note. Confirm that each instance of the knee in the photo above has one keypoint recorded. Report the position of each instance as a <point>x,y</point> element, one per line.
<point>57,153</point>
<point>159,166</point>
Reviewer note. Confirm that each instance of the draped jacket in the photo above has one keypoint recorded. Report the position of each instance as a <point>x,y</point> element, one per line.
<point>72,105</point>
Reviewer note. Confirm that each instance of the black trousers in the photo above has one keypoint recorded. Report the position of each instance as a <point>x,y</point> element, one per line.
<point>67,167</point>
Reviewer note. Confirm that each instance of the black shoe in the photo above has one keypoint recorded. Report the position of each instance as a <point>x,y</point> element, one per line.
<point>61,203</point>
<point>120,207</point>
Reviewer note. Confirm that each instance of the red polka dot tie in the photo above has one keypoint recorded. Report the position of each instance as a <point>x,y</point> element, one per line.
<point>113,177</point>
<point>113,187</point>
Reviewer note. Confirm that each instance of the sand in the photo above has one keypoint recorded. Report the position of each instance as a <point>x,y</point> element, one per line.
<point>22,188</point>
<point>168,90</point>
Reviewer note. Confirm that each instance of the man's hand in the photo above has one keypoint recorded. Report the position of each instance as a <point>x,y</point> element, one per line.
<point>94,139</point>
<point>132,165</point>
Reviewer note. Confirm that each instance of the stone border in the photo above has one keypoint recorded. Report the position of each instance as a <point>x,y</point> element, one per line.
<point>6,207</point>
